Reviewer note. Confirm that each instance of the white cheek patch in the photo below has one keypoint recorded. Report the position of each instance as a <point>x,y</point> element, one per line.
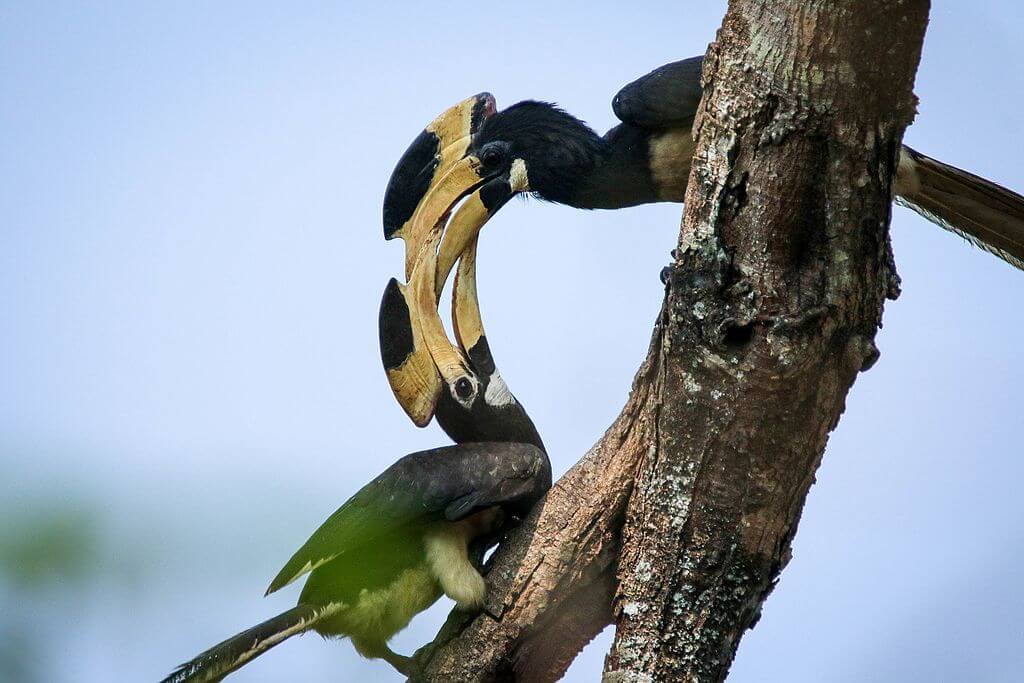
<point>497,393</point>
<point>517,178</point>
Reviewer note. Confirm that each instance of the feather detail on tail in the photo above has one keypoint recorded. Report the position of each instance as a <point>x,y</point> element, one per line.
<point>987,215</point>
<point>222,659</point>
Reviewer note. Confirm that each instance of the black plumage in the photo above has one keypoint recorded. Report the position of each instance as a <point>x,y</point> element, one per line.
<point>569,163</point>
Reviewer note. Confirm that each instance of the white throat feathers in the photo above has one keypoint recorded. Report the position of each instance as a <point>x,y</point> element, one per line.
<point>497,393</point>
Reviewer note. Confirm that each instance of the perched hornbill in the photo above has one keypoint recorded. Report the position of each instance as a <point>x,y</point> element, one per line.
<point>536,147</point>
<point>420,528</point>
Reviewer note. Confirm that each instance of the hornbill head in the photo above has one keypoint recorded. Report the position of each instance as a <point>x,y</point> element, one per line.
<point>554,148</point>
<point>528,147</point>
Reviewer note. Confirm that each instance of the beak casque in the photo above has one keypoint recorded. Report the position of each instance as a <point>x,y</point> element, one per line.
<point>427,163</point>
<point>407,362</point>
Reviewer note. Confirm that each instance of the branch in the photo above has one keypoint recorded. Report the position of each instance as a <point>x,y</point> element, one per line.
<point>678,521</point>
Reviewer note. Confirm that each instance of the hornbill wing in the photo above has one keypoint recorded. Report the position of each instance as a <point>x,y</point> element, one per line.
<point>665,98</point>
<point>512,475</point>
<point>441,483</point>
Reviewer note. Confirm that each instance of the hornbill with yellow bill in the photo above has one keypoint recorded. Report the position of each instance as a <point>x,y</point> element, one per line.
<point>538,148</point>
<point>420,528</point>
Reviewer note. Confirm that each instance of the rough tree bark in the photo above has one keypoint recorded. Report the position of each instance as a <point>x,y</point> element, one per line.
<point>678,521</point>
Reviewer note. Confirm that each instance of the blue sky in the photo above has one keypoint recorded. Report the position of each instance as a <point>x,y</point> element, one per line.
<point>191,263</point>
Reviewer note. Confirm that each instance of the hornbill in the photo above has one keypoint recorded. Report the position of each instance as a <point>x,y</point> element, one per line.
<point>555,156</point>
<point>420,528</point>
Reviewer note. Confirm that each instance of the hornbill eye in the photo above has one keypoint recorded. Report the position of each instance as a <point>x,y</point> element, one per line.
<point>463,388</point>
<point>493,156</point>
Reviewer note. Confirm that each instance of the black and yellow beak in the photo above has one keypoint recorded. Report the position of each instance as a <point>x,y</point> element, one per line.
<point>409,322</point>
<point>418,357</point>
<point>473,214</point>
<point>437,173</point>
<point>469,327</point>
<point>434,171</point>
<point>407,361</point>
<point>426,165</point>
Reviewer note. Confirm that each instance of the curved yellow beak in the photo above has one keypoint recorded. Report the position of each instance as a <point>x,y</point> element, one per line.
<point>420,360</point>
<point>427,163</point>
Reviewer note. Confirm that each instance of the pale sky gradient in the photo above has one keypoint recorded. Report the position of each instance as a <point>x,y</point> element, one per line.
<point>191,263</point>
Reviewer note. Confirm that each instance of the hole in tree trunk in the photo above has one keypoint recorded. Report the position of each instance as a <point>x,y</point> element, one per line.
<point>738,335</point>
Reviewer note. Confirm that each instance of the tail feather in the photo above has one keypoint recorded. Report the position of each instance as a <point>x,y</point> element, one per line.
<point>988,215</point>
<point>222,659</point>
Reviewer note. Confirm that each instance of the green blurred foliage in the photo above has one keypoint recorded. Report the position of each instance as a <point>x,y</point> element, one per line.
<point>49,548</point>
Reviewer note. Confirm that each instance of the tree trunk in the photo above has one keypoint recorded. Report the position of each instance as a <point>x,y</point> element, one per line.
<point>678,521</point>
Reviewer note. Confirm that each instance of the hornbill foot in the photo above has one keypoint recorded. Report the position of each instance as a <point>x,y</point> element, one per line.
<point>404,665</point>
<point>666,272</point>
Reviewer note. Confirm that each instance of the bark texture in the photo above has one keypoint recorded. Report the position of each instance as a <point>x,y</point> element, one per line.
<point>678,521</point>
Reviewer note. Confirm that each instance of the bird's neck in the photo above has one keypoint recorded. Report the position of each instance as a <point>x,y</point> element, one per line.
<point>619,176</point>
<point>636,166</point>
<point>509,424</point>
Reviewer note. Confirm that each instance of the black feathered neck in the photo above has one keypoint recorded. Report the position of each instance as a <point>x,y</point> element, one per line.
<point>567,162</point>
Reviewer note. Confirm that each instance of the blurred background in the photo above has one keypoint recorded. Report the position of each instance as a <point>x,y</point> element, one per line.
<point>190,267</point>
